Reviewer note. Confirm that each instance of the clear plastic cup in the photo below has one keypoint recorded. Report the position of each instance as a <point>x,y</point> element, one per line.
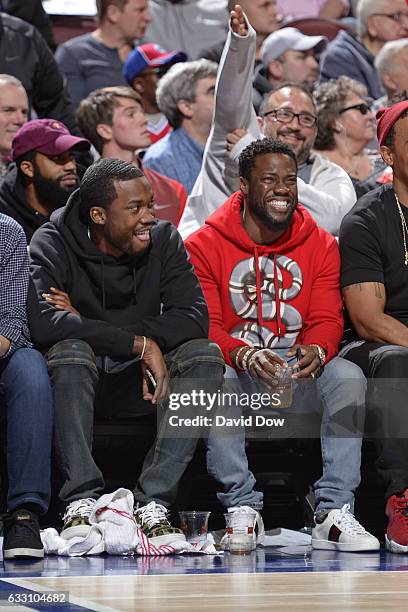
<point>283,385</point>
<point>240,533</point>
<point>194,525</point>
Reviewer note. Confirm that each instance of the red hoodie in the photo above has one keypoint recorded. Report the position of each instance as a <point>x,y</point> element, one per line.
<point>302,269</point>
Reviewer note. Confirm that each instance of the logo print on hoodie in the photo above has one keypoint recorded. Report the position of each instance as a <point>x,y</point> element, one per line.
<point>257,281</point>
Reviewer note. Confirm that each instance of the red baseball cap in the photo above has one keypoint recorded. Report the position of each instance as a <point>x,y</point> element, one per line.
<point>47,136</point>
<point>149,56</point>
<point>386,117</point>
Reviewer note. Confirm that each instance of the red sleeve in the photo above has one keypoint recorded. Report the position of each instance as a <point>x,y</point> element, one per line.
<point>209,280</point>
<point>324,322</point>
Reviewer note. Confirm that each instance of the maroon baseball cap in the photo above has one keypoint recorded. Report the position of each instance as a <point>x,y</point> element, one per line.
<point>47,136</point>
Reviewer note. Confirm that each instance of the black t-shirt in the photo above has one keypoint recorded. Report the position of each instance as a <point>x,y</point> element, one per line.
<point>372,249</point>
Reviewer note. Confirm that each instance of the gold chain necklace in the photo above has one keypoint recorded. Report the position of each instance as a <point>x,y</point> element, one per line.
<point>404,228</point>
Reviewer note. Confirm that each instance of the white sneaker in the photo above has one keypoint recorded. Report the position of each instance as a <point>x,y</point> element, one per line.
<point>76,518</point>
<point>239,512</point>
<point>339,530</point>
<point>152,520</point>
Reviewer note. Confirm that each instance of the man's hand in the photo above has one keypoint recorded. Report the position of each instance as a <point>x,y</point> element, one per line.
<point>238,23</point>
<point>333,9</point>
<point>60,300</point>
<point>309,364</point>
<point>153,360</point>
<point>234,137</point>
<point>264,364</point>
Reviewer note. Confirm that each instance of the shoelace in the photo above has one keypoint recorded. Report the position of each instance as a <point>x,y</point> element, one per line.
<point>152,514</point>
<point>80,507</point>
<point>29,526</point>
<point>402,507</point>
<point>348,522</point>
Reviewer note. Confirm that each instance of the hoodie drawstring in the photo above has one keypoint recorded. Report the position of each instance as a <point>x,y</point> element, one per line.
<point>277,297</point>
<point>259,291</point>
<point>134,286</point>
<point>258,288</point>
<point>103,286</point>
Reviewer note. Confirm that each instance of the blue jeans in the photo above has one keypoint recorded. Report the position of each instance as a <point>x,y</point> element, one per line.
<point>80,389</point>
<point>26,398</point>
<point>340,391</point>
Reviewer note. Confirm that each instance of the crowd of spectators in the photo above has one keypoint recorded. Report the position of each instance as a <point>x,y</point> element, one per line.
<point>265,146</point>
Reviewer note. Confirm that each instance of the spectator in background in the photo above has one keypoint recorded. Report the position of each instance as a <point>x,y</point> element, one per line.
<point>287,55</point>
<point>44,174</point>
<point>142,71</point>
<point>288,114</point>
<point>345,129</point>
<point>33,12</point>
<point>25,55</point>
<point>115,123</point>
<point>263,17</point>
<point>327,9</point>
<point>186,97</point>
<point>13,114</point>
<point>379,21</point>
<point>96,60</point>
<point>392,67</point>
<point>191,25</point>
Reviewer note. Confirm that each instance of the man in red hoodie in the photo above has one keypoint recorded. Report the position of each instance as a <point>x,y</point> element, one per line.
<point>270,277</point>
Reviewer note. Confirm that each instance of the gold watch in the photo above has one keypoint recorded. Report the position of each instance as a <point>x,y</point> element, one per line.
<point>321,353</point>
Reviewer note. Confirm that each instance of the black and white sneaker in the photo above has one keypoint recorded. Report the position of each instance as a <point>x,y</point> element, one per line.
<point>22,536</point>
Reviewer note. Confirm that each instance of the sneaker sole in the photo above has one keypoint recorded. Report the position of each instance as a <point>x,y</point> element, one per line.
<point>394,547</point>
<point>167,539</point>
<point>344,547</point>
<point>23,553</point>
<point>80,531</point>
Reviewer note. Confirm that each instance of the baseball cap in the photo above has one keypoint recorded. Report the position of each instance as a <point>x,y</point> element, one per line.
<point>287,39</point>
<point>149,56</point>
<point>47,136</point>
<point>386,117</point>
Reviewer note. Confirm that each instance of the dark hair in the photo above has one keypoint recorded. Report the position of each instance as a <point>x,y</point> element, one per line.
<point>291,85</point>
<point>265,146</point>
<point>330,98</point>
<point>102,6</point>
<point>97,186</point>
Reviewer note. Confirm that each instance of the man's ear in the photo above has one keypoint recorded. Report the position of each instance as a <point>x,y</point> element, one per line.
<point>104,131</point>
<point>243,185</point>
<point>389,84</point>
<point>137,85</point>
<point>27,168</point>
<point>275,70</point>
<point>98,215</point>
<point>185,108</point>
<point>371,29</point>
<point>387,156</point>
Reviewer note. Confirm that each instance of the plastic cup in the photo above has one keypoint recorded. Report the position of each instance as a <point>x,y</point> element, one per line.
<point>194,525</point>
<point>240,533</point>
<point>283,385</point>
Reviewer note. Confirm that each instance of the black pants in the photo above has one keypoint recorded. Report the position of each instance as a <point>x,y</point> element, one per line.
<point>386,368</point>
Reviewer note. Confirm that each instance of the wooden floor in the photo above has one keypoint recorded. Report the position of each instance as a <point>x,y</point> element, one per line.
<point>201,593</point>
<point>270,579</point>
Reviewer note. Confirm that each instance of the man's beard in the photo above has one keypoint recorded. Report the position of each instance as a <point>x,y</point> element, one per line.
<point>50,193</point>
<point>269,222</point>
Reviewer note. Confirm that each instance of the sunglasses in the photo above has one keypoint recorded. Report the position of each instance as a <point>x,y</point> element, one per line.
<point>362,107</point>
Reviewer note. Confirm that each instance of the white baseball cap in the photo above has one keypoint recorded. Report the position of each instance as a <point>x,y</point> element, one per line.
<point>286,39</point>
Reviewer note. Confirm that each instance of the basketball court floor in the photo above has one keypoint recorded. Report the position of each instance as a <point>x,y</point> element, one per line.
<point>292,578</point>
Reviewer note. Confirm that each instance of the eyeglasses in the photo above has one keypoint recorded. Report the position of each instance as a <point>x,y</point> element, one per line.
<point>362,107</point>
<point>284,115</point>
<point>397,17</point>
